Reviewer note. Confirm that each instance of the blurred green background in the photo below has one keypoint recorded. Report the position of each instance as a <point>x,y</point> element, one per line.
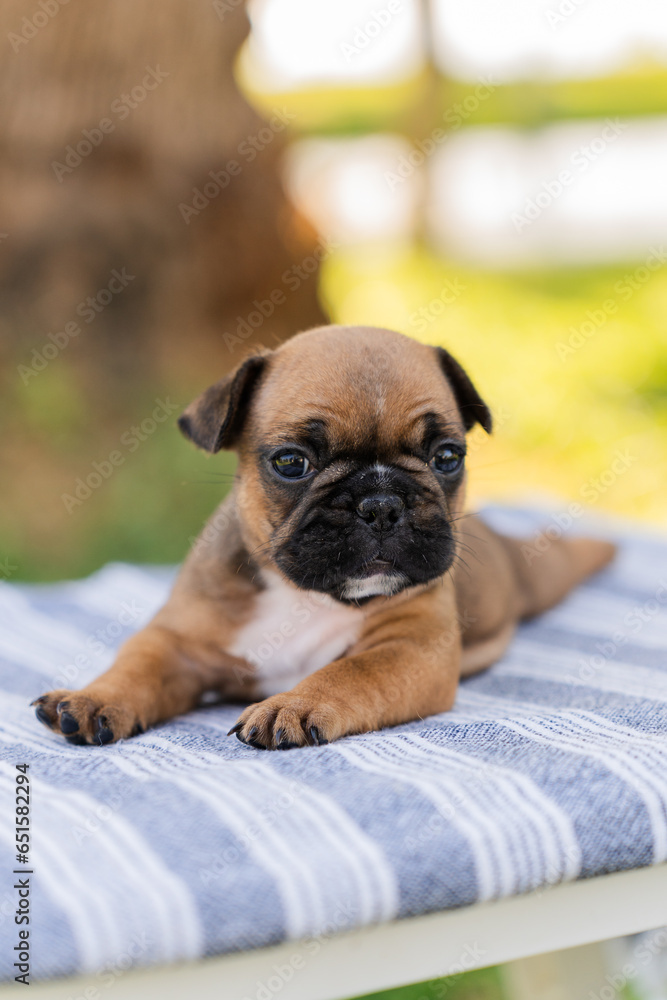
<point>562,415</point>
<point>485,984</point>
<point>559,423</point>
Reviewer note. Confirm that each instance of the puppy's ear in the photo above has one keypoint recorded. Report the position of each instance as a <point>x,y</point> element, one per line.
<point>214,420</point>
<point>473,408</point>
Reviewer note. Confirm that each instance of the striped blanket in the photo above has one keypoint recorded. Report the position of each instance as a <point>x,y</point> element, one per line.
<point>183,842</point>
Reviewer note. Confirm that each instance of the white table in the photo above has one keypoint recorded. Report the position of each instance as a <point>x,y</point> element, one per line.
<point>512,930</point>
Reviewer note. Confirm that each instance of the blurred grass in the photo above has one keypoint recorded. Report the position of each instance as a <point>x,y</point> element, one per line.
<point>560,423</point>
<point>148,509</point>
<point>561,418</point>
<point>639,90</point>
<point>483,984</point>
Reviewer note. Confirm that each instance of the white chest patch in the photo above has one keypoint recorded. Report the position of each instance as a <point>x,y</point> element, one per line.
<point>293,633</point>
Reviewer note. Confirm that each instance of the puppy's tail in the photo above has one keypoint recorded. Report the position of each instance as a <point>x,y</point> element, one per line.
<point>548,568</point>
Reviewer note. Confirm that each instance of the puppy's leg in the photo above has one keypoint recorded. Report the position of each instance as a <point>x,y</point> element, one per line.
<point>505,579</point>
<point>159,673</point>
<point>405,666</point>
<point>547,569</point>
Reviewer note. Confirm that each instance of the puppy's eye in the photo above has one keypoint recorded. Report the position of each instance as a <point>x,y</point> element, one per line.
<point>291,465</point>
<point>447,460</point>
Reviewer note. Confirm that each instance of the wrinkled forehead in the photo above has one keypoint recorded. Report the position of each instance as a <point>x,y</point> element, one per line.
<point>355,399</point>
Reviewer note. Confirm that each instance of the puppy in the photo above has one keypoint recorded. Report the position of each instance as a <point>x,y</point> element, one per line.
<point>339,587</point>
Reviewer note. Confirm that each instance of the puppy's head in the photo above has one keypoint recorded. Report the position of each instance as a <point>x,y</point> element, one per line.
<point>351,444</point>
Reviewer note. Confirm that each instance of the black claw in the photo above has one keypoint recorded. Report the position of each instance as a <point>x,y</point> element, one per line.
<point>76,739</point>
<point>319,740</point>
<point>103,734</point>
<point>62,705</point>
<point>43,716</point>
<point>308,736</point>
<point>235,729</point>
<point>68,723</point>
<point>248,741</point>
<point>38,701</point>
<point>256,745</point>
<point>138,730</point>
<point>286,745</point>
<point>282,743</point>
<point>251,741</point>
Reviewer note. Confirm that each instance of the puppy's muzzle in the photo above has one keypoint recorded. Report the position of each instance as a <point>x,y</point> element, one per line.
<point>381,511</point>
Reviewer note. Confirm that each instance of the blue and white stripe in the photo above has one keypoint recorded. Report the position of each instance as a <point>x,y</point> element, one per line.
<point>183,842</point>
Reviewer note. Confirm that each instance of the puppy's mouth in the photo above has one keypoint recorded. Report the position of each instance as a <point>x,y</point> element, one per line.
<point>362,588</point>
<point>377,565</point>
<point>376,578</point>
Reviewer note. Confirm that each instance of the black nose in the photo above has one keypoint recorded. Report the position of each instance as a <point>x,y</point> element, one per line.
<point>382,510</point>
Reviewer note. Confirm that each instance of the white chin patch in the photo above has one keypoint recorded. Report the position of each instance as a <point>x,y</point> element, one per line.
<point>373,586</point>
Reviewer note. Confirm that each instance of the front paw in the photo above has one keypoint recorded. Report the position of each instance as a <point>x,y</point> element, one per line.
<point>288,720</point>
<point>85,718</point>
